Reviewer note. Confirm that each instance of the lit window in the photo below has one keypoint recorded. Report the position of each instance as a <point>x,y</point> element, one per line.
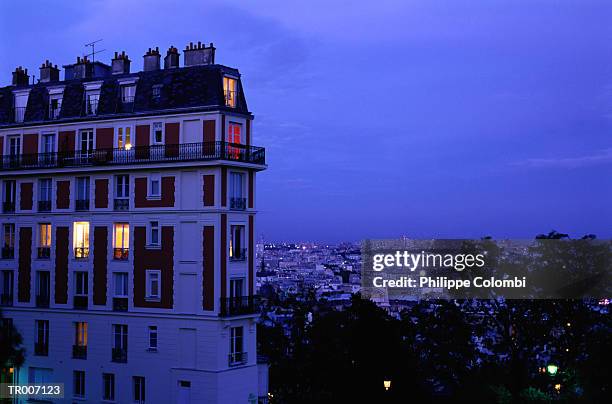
<point>154,233</point>
<point>81,239</point>
<point>154,186</point>
<point>124,138</point>
<point>120,280</point>
<point>152,338</point>
<point>121,240</point>
<point>230,87</point>
<point>80,338</point>
<point>153,279</point>
<point>158,133</point>
<point>44,235</point>
<point>80,283</point>
<point>237,252</point>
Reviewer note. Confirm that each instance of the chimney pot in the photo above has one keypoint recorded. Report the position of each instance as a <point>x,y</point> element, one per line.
<point>199,54</point>
<point>171,60</point>
<point>20,77</point>
<point>120,63</point>
<point>48,72</point>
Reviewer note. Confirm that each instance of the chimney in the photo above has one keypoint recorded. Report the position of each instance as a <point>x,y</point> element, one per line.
<point>121,63</point>
<point>172,58</point>
<point>151,60</point>
<point>199,54</point>
<point>48,72</point>
<point>20,77</point>
<point>82,69</point>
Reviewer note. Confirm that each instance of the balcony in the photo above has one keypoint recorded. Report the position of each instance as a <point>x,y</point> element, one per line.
<point>236,306</point>
<point>238,203</point>
<point>44,206</point>
<point>206,151</point>
<point>237,358</point>
<point>80,302</point>
<point>120,304</point>
<point>81,252</point>
<point>81,204</point>
<point>44,253</point>
<point>6,299</point>
<point>238,255</point>
<point>41,349</point>
<point>119,355</point>
<point>8,253</point>
<point>121,254</point>
<point>79,351</point>
<point>42,300</point>
<point>121,204</point>
<point>8,207</point>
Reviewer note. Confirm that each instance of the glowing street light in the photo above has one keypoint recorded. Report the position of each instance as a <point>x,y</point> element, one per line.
<point>387,384</point>
<point>552,369</point>
<point>558,387</point>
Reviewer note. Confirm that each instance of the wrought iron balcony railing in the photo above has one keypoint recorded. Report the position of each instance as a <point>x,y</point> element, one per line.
<point>235,306</point>
<point>8,253</point>
<point>237,358</point>
<point>121,204</point>
<point>120,304</point>
<point>44,206</point>
<point>238,254</point>
<point>238,203</point>
<point>121,254</point>
<point>204,151</point>
<point>44,252</point>
<point>41,349</point>
<point>42,300</point>
<point>6,299</point>
<point>8,207</point>
<point>81,252</point>
<point>80,302</point>
<point>79,351</point>
<point>81,204</point>
<point>119,355</point>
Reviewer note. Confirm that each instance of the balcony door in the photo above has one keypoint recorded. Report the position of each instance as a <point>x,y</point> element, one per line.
<point>86,142</point>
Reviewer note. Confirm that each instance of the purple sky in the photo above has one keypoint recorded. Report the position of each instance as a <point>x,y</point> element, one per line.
<point>388,118</point>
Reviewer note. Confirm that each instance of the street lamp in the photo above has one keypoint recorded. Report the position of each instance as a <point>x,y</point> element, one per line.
<point>387,384</point>
<point>552,369</point>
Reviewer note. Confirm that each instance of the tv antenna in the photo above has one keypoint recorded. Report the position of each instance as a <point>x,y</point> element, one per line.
<point>93,50</point>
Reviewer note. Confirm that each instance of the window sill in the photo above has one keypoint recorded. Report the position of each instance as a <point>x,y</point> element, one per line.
<point>153,299</point>
<point>153,197</point>
<point>153,246</point>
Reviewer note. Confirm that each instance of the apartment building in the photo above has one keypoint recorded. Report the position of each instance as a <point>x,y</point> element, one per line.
<point>128,214</point>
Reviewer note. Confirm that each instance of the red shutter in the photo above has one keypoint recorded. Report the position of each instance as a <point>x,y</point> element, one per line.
<point>224,247</point>
<point>223,186</point>
<point>251,254</point>
<point>66,142</point>
<point>63,195</point>
<point>104,141</point>
<point>208,302</point>
<point>101,193</point>
<point>25,264</point>
<point>251,189</point>
<point>172,139</point>
<point>61,265</point>
<point>26,195</point>
<point>99,263</point>
<point>30,143</point>
<point>143,134</point>
<point>209,190</point>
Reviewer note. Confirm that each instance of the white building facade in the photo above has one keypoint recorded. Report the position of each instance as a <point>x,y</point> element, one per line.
<point>128,230</point>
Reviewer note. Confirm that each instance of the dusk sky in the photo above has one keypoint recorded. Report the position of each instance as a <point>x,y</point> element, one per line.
<point>387,118</point>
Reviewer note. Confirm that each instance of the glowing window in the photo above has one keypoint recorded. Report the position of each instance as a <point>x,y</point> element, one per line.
<point>81,239</point>
<point>230,90</point>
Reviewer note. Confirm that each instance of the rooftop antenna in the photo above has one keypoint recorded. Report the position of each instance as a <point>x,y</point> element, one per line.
<point>93,50</point>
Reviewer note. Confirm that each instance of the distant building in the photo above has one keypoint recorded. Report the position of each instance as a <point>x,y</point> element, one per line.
<point>127,223</point>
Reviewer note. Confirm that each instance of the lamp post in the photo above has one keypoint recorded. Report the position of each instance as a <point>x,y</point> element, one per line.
<point>387,384</point>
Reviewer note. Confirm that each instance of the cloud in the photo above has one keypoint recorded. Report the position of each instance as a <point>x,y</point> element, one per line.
<point>598,158</point>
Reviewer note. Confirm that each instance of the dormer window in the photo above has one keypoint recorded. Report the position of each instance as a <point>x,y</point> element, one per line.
<point>20,103</point>
<point>55,105</point>
<point>156,95</point>
<point>127,93</point>
<point>92,97</point>
<point>230,91</point>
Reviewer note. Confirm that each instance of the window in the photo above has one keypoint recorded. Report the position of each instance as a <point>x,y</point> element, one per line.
<point>234,132</point>
<point>156,95</point>
<point>21,102</point>
<point>154,186</point>
<point>139,389</point>
<point>10,189</point>
<point>120,340</point>
<point>14,146</point>
<point>44,240</point>
<point>236,349</point>
<point>153,279</point>
<point>230,86</point>
<point>44,195</point>
<point>128,93</point>
<point>81,239</point>
<point>108,382</point>
<point>48,143</point>
<point>154,233</point>
<point>91,103</point>
<point>41,346</point>
<point>42,288</point>
<point>6,293</point>
<point>152,338</point>
<point>121,240</point>
<point>236,288</point>
<point>8,247</point>
<point>80,337</point>
<point>237,200</point>
<point>124,138</point>
<point>82,201</point>
<point>122,186</point>
<point>158,133</point>
<point>80,283</point>
<point>55,106</point>
<point>87,138</point>
<point>237,252</point>
<point>79,384</point>
<point>121,284</point>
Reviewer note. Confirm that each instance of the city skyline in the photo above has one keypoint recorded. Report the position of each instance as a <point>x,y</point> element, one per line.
<point>372,115</point>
